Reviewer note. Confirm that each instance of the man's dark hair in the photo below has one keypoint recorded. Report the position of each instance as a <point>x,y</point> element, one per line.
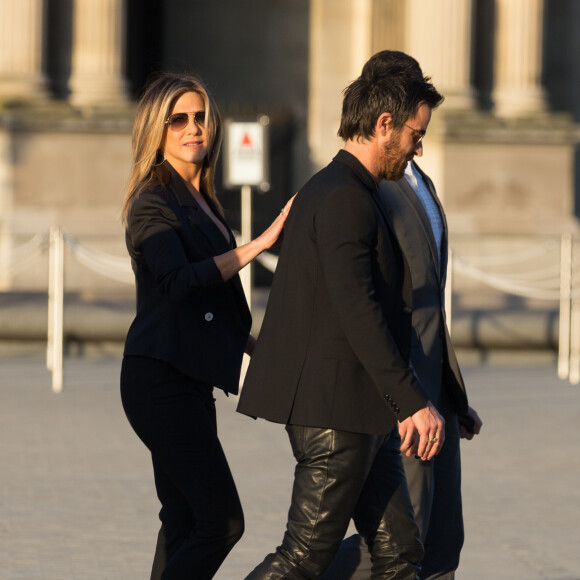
<point>393,62</point>
<point>390,82</point>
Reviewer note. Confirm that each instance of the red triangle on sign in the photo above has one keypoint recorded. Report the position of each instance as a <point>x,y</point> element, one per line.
<point>246,141</point>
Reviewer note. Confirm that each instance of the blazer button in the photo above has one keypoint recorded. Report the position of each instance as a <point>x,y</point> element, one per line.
<point>208,316</point>
<point>407,310</point>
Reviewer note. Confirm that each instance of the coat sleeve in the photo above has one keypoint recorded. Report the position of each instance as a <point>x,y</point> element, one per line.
<point>346,226</point>
<point>153,237</point>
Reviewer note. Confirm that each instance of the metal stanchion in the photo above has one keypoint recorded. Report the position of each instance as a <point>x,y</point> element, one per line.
<point>449,289</point>
<point>574,325</point>
<point>5,256</point>
<point>574,376</point>
<point>54,348</point>
<point>565,306</point>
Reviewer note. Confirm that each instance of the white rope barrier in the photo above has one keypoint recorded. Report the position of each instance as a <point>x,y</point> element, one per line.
<point>544,277</point>
<point>23,256</point>
<point>114,267</point>
<point>555,282</point>
<point>526,254</point>
<point>36,243</point>
<point>552,279</point>
<point>549,291</point>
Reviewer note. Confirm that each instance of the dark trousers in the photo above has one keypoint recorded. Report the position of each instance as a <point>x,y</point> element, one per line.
<point>435,490</point>
<point>340,475</point>
<point>201,515</point>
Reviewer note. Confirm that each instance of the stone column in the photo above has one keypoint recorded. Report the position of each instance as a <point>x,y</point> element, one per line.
<point>340,41</point>
<point>518,58</point>
<point>388,25</point>
<point>21,44</point>
<point>97,59</point>
<point>439,36</point>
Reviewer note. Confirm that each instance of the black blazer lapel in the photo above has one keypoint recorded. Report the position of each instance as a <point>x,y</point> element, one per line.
<point>444,241</point>
<point>197,219</point>
<point>413,200</point>
<point>203,228</point>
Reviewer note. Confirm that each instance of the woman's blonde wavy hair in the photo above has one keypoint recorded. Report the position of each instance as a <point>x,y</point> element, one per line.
<point>153,109</point>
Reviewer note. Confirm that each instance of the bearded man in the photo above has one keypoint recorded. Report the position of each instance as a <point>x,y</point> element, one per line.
<point>332,359</point>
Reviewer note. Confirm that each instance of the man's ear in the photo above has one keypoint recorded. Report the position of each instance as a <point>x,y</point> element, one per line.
<point>384,124</point>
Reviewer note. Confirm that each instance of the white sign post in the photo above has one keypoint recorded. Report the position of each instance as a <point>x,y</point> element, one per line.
<point>246,166</point>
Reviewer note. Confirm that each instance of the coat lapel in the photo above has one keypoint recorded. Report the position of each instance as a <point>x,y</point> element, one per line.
<point>198,220</point>
<point>411,198</point>
<point>444,241</point>
<point>203,228</point>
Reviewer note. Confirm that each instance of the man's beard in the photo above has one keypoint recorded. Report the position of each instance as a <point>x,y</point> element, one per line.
<point>393,162</point>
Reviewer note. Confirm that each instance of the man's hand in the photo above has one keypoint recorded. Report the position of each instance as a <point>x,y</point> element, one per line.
<point>423,433</point>
<point>466,433</point>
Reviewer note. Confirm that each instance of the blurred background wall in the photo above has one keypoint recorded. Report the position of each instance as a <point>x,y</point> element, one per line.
<point>502,149</point>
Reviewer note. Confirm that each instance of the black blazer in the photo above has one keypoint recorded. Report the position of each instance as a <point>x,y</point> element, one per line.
<point>333,348</point>
<point>432,353</point>
<point>186,314</point>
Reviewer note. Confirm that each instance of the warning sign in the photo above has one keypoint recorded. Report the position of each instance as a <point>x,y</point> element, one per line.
<point>245,154</point>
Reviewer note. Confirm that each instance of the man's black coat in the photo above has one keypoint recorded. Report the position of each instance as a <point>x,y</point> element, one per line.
<point>334,345</point>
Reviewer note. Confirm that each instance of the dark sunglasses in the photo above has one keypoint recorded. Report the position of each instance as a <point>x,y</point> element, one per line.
<point>179,121</point>
<point>418,136</point>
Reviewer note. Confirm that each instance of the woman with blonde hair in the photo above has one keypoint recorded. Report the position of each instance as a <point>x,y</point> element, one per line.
<point>192,322</point>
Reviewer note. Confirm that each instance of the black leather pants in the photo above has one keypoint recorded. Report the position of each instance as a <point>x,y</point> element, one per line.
<point>340,475</point>
<point>435,490</point>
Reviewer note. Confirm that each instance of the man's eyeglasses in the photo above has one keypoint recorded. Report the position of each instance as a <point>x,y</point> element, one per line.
<point>417,135</point>
<point>179,121</point>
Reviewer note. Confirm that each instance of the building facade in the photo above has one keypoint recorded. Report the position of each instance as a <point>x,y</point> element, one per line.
<point>502,149</point>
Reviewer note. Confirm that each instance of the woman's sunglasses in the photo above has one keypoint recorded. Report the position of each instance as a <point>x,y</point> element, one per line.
<point>179,121</point>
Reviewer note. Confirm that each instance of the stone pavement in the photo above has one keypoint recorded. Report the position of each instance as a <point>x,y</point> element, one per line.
<point>77,500</point>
